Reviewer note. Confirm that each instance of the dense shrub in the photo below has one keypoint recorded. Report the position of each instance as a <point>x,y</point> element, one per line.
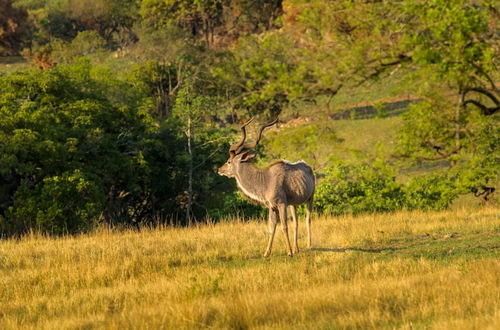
<point>73,154</point>
<point>432,192</point>
<point>65,203</point>
<point>370,188</point>
<point>358,188</point>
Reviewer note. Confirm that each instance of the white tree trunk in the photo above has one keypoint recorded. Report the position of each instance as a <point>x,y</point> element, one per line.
<point>190,173</point>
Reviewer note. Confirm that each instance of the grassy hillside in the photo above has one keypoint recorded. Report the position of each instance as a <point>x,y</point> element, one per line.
<point>320,142</point>
<point>12,63</point>
<point>400,270</point>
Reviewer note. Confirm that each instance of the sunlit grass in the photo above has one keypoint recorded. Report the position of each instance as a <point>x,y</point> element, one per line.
<point>402,270</point>
<point>13,63</point>
<point>352,141</point>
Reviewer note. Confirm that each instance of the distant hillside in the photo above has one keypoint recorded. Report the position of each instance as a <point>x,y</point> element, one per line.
<point>320,141</point>
<point>383,109</point>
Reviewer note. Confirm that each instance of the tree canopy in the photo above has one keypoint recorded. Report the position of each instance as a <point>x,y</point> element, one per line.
<point>129,105</point>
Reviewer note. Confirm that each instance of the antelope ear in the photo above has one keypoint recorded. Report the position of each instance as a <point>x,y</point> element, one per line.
<point>248,155</point>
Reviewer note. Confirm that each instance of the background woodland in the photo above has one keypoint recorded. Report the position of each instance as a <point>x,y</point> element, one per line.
<point>118,112</point>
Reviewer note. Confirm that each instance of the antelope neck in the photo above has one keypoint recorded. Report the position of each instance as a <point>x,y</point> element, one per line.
<point>252,181</point>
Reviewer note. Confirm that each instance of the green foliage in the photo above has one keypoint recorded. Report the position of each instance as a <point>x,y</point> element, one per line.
<point>86,43</point>
<point>166,63</point>
<point>190,14</point>
<point>446,50</point>
<point>427,124</point>
<point>160,81</point>
<point>373,188</point>
<point>67,203</point>
<point>168,45</point>
<point>62,21</point>
<point>214,22</point>
<point>263,74</point>
<point>234,203</point>
<point>14,28</point>
<point>358,189</point>
<point>432,192</point>
<point>204,146</point>
<point>381,111</point>
<point>64,139</point>
<point>449,45</point>
<point>429,134</point>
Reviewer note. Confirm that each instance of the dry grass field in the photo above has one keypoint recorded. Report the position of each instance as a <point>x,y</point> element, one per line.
<point>405,270</point>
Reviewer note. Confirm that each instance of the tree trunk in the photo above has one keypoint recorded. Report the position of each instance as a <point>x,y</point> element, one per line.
<point>190,174</point>
<point>457,119</point>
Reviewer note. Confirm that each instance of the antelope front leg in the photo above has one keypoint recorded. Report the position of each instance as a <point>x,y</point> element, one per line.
<point>272,229</point>
<point>284,228</point>
<point>296,229</point>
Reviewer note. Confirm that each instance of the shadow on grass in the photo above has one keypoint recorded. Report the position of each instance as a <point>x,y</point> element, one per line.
<point>470,246</point>
<point>357,249</point>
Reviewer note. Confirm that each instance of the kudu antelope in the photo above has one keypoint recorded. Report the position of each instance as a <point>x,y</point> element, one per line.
<point>277,186</point>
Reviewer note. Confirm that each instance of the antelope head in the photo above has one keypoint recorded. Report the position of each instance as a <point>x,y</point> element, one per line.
<point>241,152</point>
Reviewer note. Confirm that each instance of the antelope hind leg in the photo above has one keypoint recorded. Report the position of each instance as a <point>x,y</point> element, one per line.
<point>308,222</point>
<point>295,229</point>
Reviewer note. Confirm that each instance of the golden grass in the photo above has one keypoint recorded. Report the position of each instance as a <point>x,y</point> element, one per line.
<point>403,270</point>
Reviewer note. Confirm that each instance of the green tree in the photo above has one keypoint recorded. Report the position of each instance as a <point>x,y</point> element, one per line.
<point>359,189</point>
<point>446,50</point>
<point>14,28</point>
<point>86,43</point>
<point>215,22</point>
<point>455,51</point>
<point>261,76</point>
<point>63,20</point>
<point>63,133</point>
<point>200,18</point>
<point>166,63</point>
<point>204,147</point>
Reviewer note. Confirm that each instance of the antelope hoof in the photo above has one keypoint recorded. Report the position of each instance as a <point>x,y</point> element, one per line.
<point>266,254</point>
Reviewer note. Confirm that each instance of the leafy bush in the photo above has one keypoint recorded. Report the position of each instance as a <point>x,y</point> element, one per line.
<point>433,192</point>
<point>357,189</point>
<point>373,188</point>
<point>60,204</point>
<point>66,150</point>
<point>74,153</point>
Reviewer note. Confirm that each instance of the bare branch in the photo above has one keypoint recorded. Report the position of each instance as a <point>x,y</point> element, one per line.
<point>485,193</point>
<point>483,91</point>
<point>439,150</point>
<point>382,67</point>
<point>487,111</point>
<point>213,153</point>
